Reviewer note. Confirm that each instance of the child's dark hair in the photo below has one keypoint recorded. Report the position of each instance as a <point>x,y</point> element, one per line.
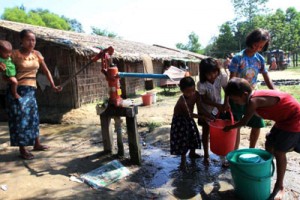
<point>25,32</point>
<point>237,87</point>
<point>186,82</point>
<point>206,66</point>
<point>256,36</point>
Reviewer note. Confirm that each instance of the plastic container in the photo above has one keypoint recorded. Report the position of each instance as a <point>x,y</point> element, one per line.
<point>154,98</point>
<point>127,103</point>
<point>221,143</point>
<point>250,158</point>
<point>147,99</point>
<point>251,171</point>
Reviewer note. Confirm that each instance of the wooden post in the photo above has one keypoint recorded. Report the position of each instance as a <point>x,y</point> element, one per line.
<point>107,133</point>
<point>118,129</point>
<point>133,140</point>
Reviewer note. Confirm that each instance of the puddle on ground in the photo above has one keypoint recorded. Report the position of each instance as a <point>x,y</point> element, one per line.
<point>162,176</point>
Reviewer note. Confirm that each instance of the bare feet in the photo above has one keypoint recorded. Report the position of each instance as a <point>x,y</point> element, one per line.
<point>206,160</point>
<point>194,155</point>
<point>225,164</point>
<point>26,155</point>
<point>40,148</point>
<point>277,194</point>
<point>182,166</point>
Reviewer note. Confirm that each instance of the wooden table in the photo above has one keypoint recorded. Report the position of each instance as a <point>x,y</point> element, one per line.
<point>131,124</point>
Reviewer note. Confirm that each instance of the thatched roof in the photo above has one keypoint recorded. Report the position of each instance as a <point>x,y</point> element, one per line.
<point>85,44</point>
<point>199,56</point>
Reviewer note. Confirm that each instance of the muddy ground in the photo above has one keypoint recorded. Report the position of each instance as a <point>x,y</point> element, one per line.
<point>76,148</point>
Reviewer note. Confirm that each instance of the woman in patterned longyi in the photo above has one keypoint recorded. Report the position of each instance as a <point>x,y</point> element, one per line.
<point>23,112</point>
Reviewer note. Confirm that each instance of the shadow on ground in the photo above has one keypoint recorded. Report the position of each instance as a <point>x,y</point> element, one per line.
<point>77,149</point>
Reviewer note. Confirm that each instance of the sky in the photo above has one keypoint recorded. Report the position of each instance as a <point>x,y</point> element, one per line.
<point>163,22</point>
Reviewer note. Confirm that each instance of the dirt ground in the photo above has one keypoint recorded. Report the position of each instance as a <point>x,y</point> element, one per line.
<point>76,148</point>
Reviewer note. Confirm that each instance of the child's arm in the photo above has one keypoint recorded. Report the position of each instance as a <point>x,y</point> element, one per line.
<point>268,81</point>
<point>49,76</point>
<point>253,104</point>
<point>226,106</point>
<point>13,80</point>
<point>202,113</point>
<point>208,101</point>
<point>2,67</point>
<point>250,110</point>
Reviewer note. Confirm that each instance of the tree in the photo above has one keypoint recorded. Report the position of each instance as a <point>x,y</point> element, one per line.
<point>276,26</point>
<point>246,10</point>
<point>51,20</point>
<point>75,25</point>
<point>41,17</point>
<point>14,14</point>
<point>103,32</point>
<point>284,28</point>
<point>293,29</point>
<point>193,44</point>
<point>226,42</point>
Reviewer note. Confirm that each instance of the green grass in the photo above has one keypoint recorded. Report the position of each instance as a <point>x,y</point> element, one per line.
<point>152,125</point>
<point>294,69</point>
<point>294,90</point>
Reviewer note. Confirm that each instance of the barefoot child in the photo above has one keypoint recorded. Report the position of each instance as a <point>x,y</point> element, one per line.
<point>212,80</point>
<point>277,106</point>
<point>10,72</point>
<point>184,135</point>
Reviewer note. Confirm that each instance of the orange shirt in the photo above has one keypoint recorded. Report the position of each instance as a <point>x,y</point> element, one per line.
<point>27,67</point>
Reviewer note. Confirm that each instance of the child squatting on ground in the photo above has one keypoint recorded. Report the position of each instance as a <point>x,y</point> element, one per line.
<point>278,106</point>
<point>184,134</point>
<point>10,72</point>
<point>212,80</point>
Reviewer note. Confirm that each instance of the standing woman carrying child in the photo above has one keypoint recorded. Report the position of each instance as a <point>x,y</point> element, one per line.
<point>23,114</point>
<point>212,80</point>
<point>184,135</point>
<point>248,64</point>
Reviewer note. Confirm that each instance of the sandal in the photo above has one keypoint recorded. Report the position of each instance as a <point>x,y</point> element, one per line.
<point>41,148</point>
<point>26,156</point>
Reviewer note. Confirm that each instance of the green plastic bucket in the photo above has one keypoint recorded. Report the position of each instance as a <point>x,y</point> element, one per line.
<point>251,170</point>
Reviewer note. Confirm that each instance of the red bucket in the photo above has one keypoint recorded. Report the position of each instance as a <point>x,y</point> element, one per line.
<point>221,143</point>
<point>147,99</point>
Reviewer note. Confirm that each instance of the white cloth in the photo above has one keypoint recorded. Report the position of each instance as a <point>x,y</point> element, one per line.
<point>213,91</point>
<point>42,81</point>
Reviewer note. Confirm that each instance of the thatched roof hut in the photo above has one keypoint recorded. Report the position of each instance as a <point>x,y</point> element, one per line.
<point>83,44</point>
<point>66,52</point>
